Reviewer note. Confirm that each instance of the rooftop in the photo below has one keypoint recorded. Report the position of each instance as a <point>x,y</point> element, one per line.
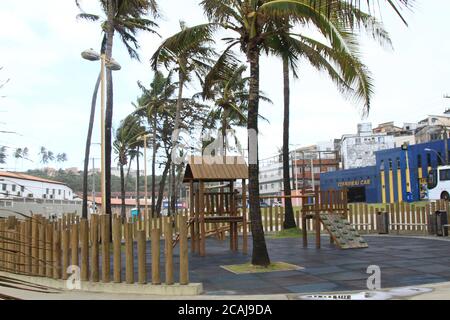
<point>22,176</point>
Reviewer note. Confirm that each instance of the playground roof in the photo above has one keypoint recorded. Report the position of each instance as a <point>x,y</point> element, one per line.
<point>217,168</point>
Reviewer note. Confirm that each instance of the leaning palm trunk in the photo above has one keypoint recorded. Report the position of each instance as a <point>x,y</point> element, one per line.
<point>260,255</point>
<point>162,184</point>
<point>289,221</point>
<point>84,211</point>
<point>123,212</point>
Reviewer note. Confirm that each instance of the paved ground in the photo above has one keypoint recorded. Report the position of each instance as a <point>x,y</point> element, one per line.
<point>403,262</point>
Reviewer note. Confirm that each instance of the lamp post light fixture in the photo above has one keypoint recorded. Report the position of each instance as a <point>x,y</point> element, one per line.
<point>437,153</point>
<point>92,55</point>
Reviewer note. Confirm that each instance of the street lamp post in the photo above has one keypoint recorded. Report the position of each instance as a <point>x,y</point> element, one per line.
<point>434,151</point>
<point>111,64</point>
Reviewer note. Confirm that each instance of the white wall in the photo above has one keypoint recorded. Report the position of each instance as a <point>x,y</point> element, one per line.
<point>39,190</point>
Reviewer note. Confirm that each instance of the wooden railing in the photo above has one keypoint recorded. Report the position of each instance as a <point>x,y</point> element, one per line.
<point>37,246</point>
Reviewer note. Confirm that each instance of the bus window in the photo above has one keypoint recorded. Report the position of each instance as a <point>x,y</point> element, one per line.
<point>444,175</point>
<point>432,181</point>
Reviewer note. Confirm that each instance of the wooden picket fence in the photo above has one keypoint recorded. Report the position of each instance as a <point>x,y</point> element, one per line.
<point>404,218</point>
<point>37,246</point>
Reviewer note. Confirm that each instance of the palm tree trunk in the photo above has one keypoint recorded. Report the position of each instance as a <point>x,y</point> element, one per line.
<point>260,256</point>
<point>174,190</point>
<point>123,212</point>
<point>84,210</point>
<point>138,192</point>
<point>154,164</point>
<point>162,184</point>
<point>109,106</point>
<point>289,221</point>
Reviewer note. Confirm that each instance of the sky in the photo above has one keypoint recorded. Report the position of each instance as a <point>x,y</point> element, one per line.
<point>47,100</point>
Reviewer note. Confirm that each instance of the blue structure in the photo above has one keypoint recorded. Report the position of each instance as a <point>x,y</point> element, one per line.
<point>399,175</point>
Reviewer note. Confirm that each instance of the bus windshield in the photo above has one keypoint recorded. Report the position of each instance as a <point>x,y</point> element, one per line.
<point>432,179</point>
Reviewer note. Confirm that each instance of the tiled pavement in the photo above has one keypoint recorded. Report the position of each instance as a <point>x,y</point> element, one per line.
<point>403,262</point>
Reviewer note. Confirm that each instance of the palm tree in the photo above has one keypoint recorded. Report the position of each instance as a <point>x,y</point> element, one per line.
<point>230,95</point>
<point>44,155</point>
<point>343,67</point>
<point>252,24</point>
<point>126,140</point>
<point>150,104</point>
<point>126,17</point>
<point>191,54</point>
<point>61,157</point>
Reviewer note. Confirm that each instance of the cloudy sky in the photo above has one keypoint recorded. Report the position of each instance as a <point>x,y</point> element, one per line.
<point>48,97</point>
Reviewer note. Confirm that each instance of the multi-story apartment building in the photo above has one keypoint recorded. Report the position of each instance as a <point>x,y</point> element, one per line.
<point>358,150</point>
<point>306,164</point>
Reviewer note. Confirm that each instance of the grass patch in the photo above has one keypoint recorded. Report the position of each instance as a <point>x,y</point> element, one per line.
<point>286,233</point>
<point>250,268</point>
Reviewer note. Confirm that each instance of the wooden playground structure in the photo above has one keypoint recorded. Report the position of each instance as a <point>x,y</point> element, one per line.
<point>214,199</point>
<point>330,209</point>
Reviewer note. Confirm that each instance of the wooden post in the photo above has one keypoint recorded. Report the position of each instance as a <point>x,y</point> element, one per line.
<point>305,230</point>
<point>56,252</point>
<point>117,243</point>
<point>202,219</point>
<point>141,242</point>
<point>94,248</point>
<point>2,244</point>
<point>168,252</point>
<point>84,238</point>
<point>105,249</point>
<point>42,227</point>
<point>48,249</point>
<point>129,257</point>
<point>156,278</point>
<point>65,252</point>
<point>34,245</point>
<point>184,259</point>
<point>74,244</point>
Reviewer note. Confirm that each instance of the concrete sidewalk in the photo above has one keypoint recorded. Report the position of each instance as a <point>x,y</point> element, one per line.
<point>440,291</point>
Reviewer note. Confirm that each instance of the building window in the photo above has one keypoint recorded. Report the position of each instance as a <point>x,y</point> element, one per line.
<point>398,163</point>
<point>4,187</point>
<point>429,159</point>
<point>390,164</point>
<point>22,188</point>
<point>59,192</point>
<point>14,188</point>
<point>419,161</point>
<point>46,191</point>
<point>439,159</point>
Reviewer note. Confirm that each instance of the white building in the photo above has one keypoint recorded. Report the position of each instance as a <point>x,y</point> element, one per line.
<point>358,150</point>
<point>18,185</point>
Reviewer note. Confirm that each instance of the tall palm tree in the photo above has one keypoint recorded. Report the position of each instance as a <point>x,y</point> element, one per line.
<point>230,95</point>
<point>344,68</point>
<point>126,140</point>
<point>153,101</point>
<point>251,22</point>
<point>126,17</point>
